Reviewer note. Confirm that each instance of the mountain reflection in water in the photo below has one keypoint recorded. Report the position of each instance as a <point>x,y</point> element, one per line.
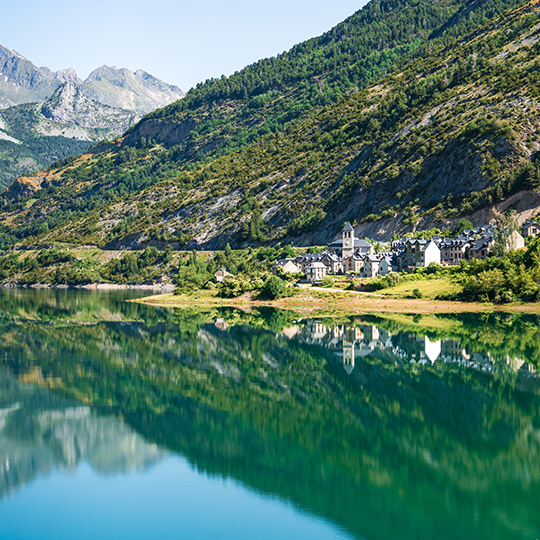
<point>417,427</point>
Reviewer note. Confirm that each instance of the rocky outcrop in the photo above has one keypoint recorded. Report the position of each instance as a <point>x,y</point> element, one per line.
<point>69,105</point>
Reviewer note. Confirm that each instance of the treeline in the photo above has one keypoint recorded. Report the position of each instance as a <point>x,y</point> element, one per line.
<point>60,267</point>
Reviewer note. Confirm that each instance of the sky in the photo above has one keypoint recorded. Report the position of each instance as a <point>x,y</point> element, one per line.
<point>180,42</point>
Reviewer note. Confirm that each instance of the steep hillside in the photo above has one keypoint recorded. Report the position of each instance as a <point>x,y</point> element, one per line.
<point>271,95</point>
<point>448,133</point>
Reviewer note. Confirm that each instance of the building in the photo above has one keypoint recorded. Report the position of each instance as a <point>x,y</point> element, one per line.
<point>371,266</point>
<point>386,265</point>
<point>347,240</point>
<point>315,271</point>
<point>333,263</point>
<point>349,244</point>
<point>418,253</point>
<point>353,263</point>
<point>453,250</point>
<point>479,248</point>
<point>530,228</point>
<point>288,265</point>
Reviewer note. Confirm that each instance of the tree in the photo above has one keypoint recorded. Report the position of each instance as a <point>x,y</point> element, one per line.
<point>501,237</point>
<point>273,288</point>
<point>462,225</point>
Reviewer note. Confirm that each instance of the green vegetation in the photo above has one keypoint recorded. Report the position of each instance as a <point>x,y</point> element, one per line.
<point>510,278</point>
<point>274,151</point>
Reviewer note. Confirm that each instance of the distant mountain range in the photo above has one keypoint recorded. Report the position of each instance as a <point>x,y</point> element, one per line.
<point>46,116</point>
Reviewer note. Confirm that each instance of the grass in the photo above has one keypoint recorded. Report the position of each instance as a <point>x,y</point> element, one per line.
<point>429,288</point>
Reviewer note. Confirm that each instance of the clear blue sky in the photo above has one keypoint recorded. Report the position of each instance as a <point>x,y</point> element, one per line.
<point>181,42</point>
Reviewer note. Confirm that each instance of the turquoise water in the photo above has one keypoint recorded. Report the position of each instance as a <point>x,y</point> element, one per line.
<point>123,421</point>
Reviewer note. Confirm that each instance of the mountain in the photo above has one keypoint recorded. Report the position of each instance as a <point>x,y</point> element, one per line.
<point>34,135</point>
<point>120,88</point>
<point>22,82</point>
<point>438,121</point>
<point>46,116</point>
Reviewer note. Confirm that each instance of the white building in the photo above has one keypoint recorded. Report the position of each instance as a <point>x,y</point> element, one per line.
<point>315,271</point>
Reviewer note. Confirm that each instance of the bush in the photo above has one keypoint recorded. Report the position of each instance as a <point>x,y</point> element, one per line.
<point>234,286</point>
<point>327,281</point>
<point>273,288</point>
<point>417,293</point>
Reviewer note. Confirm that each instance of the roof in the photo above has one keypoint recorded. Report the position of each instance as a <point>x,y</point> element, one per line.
<point>316,265</point>
<point>347,227</point>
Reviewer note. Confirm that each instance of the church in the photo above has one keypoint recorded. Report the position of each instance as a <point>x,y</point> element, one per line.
<point>349,245</point>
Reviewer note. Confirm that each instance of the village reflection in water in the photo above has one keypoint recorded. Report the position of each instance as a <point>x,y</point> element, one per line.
<point>350,343</point>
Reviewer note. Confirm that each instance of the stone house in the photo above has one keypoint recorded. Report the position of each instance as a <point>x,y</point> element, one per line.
<point>386,265</point>
<point>353,263</point>
<point>288,265</point>
<point>453,250</point>
<point>315,271</point>
<point>371,266</point>
<point>419,254</point>
<point>479,248</point>
<point>530,228</point>
<point>333,263</point>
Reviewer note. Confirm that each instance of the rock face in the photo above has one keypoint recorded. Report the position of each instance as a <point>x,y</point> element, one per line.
<point>68,105</point>
<point>22,82</point>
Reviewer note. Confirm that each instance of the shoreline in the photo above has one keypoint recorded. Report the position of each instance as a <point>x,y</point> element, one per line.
<point>307,304</point>
<point>163,287</point>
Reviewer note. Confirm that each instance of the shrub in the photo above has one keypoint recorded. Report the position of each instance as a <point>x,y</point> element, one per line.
<point>327,281</point>
<point>417,293</point>
<point>273,288</point>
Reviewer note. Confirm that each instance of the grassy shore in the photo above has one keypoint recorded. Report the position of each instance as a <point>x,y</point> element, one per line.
<point>311,302</point>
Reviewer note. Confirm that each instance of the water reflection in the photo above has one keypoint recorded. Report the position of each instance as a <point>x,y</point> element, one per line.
<point>354,342</point>
<point>40,432</point>
<point>416,427</point>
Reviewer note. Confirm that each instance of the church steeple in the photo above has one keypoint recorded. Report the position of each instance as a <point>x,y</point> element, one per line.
<point>347,235</point>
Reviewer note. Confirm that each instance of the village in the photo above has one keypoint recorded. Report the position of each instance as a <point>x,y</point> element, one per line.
<point>356,257</point>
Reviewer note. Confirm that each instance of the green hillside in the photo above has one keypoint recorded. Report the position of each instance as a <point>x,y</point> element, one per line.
<point>450,129</point>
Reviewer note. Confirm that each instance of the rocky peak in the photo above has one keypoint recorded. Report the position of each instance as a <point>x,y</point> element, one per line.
<point>69,105</point>
<point>137,91</point>
<point>69,74</point>
<point>17,71</point>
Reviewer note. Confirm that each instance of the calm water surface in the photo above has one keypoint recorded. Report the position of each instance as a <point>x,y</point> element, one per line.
<point>123,421</point>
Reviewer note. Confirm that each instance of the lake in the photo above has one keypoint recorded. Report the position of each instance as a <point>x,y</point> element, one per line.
<point>119,420</point>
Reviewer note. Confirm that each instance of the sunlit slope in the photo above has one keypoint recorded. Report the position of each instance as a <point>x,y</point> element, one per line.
<point>450,132</point>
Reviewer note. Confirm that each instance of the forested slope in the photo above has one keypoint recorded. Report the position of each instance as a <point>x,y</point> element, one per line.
<point>448,132</point>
